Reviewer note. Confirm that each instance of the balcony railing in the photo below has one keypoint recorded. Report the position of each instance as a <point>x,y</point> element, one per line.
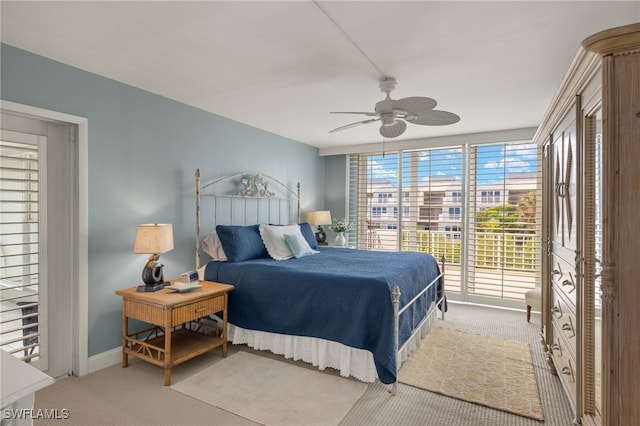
<point>489,250</point>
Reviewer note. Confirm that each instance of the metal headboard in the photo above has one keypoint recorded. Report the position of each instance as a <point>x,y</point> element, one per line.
<point>245,198</point>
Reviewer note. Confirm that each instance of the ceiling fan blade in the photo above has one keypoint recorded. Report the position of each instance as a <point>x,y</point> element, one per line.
<point>370,114</point>
<point>415,104</point>
<point>393,130</point>
<point>434,118</point>
<point>395,114</point>
<point>348,126</point>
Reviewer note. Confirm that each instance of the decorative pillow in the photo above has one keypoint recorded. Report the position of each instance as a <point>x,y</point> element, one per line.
<point>309,235</point>
<point>273,238</point>
<point>298,245</point>
<point>213,247</point>
<point>241,242</point>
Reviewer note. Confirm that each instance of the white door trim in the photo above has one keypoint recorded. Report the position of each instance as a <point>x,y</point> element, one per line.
<point>80,316</point>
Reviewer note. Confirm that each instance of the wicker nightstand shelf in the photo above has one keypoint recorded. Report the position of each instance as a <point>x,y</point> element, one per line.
<point>180,332</point>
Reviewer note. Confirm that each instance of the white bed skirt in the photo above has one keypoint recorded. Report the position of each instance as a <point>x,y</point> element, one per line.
<point>322,353</point>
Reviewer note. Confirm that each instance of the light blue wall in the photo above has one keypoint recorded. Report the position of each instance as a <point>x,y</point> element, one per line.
<point>335,189</point>
<point>143,151</point>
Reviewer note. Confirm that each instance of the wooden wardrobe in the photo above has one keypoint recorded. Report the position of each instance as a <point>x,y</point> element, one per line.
<point>591,230</point>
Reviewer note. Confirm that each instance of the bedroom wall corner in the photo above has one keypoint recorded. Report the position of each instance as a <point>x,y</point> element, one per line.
<point>335,188</point>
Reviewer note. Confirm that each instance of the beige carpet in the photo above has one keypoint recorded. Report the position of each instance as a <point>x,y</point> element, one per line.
<point>485,370</point>
<point>272,392</point>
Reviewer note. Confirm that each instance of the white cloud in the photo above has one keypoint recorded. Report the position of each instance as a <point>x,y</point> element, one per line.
<point>528,151</point>
<point>379,171</point>
<point>512,165</point>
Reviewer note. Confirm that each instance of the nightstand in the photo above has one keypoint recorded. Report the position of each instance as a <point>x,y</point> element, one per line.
<point>180,332</point>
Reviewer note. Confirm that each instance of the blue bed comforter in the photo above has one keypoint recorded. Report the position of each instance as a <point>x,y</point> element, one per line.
<point>342,295</point>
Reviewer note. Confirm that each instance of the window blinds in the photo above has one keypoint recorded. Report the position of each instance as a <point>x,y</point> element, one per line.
<point>19,249</point>
<point>477,205</point>
<point>504,220</point>
<point>410,201</point>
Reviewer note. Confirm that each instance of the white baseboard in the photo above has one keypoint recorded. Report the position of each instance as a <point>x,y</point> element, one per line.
<point>104,360</point>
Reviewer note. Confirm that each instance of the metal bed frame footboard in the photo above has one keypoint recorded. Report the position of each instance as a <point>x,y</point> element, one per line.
<point>415,328</point>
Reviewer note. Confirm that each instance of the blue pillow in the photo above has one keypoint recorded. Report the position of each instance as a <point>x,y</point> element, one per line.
<point>298,245</point>
<point>309,235</point>
<point>241,242</point>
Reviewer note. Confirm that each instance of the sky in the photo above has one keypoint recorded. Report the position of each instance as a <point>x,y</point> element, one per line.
<point>492,163</point>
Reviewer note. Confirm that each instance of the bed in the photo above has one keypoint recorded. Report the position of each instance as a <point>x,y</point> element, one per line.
<point>358,311</point>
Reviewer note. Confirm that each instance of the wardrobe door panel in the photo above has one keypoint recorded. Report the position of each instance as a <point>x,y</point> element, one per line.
<point>564,282</point>
<point>570,186</point>
<point>557,172</point>
<point>565,190</point>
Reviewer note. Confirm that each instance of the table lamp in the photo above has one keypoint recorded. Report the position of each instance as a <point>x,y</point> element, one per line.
<point>320,217</point>
<point>153,239</point>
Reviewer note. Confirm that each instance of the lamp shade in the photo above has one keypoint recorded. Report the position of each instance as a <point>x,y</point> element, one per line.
<point>154,238</point>
<point>320,217</point>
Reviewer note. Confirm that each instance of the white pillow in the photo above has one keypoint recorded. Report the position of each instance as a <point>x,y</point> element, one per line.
<point>273,239</point>
<point>212,246</point>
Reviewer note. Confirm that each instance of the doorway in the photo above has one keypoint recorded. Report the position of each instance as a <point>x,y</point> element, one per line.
<point>40,238</point>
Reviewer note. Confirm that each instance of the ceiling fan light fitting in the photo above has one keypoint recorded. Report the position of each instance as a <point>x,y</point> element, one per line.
<point>393,130</point>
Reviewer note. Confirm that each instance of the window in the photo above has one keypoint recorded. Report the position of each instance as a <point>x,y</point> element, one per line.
<point>490,197</point>
<point>19,249</point>
<point>384,198</point>
<point>504,220</point>
<point>474,204</point>
<point>378,211</point>
<point>452,231</point>
<point>370,176</point>
<point>425,179</point>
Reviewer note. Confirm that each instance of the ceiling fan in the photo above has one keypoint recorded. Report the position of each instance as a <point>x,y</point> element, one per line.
<point>395,114</point>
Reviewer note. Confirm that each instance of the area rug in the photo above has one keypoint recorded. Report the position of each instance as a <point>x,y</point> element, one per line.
<point>272,392</point>
<point>484,370</point>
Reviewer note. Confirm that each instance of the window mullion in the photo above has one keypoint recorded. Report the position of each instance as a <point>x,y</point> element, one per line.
<point>399,221</point>
<point>468,202</point>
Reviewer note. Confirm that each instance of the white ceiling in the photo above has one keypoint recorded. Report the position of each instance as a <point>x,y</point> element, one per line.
<point>283,66</point>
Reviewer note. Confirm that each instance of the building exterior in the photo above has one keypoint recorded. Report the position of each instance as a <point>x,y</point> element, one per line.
<point>437,205</point>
